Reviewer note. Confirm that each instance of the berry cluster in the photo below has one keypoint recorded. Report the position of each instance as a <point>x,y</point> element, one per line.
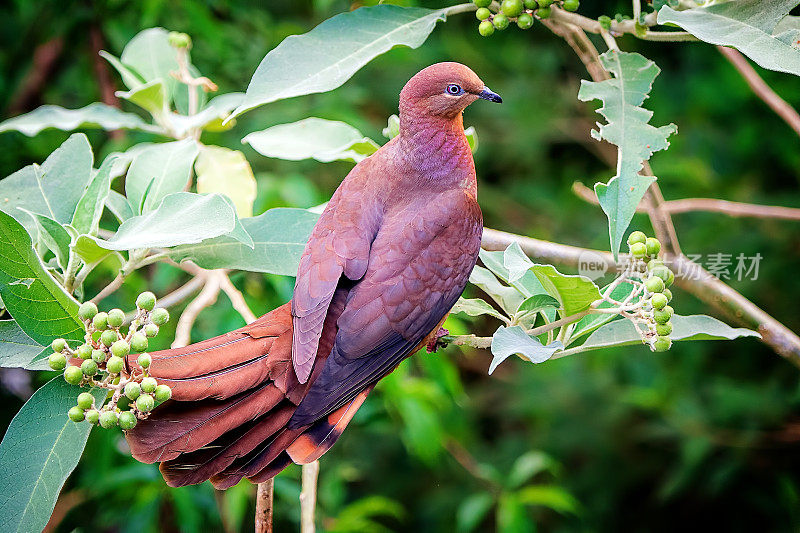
<point>519,11</point>
<point>100,362</point>
<point>657,279</point>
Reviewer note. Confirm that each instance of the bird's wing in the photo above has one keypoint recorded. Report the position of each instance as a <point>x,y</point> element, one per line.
<point>420,262</point>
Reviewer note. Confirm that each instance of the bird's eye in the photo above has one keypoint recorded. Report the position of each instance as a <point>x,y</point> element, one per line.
<point>454,90</point>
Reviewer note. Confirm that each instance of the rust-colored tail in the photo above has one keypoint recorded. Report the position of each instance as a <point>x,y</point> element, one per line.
<point>232,397</point>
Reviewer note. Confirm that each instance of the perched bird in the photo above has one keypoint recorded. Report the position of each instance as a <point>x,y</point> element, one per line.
<point>386,261</point>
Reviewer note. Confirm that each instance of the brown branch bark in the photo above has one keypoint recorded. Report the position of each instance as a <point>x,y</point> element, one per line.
<point>264,496</point>
<point>45,60</point>
<point>308,497</point>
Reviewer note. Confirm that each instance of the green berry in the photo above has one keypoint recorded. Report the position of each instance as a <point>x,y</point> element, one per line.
<point>654,263</point>
<point>57,361</point>
<point>59,345</point>
<point>132,390</point>
<point>73,375</point>
<point>127,420</point>
<point>144,360</point>
<point>108,419</point>
<point>76,414</point>
<point>637,237</point>
<point>138,342</point>
<point>658,301</point>
<point>151,330</point>
<point>500,22</point>
<point>485,28</point>
<point>511,8</point>
<point>115,364</point>
<point>662,344</point>
<point>147,300</point>
<point>99,356</point>
<point>163,393</point>
<point>116,317</point>
<point>525,21</point>
<point>93,416</point>
<point>544,12</point>
<point>100,321</point>
<point>89,368</point>
<point>571,5</point>
<point>481,14</point>
<point>160,316</point>
<point>664,273</point>
<point>654,284</point>
<point>145,403</point>
<point>120,348</point>
<point>668,294</point>
<point>664,330</point>
<point>85,400</point>
<point>670,278</point>
<point>108,337</point>
<point>544,3</point>
<point>638,250</point>
<point>87,310</point>
<point>179,40</point>
<point>149,384</point>
<point>605,21</point>
<point>662,316</point>
<point>482,3</point>
<point>84,351</point>
<point>530,4</point>
<point>653,246</point>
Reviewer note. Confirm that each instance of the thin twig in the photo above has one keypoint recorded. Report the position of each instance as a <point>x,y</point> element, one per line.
<point>183,331</point>
<point>109,289</point>
<point>264,496</point>
<point>236,297</point>
<point>308,497</point>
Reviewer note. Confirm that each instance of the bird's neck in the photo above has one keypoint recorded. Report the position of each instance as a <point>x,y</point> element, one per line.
<point>438,149</point>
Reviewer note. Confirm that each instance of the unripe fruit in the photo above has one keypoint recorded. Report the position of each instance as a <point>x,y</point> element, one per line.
<point>147,300</point>
<point>116,317</point>
<point>571,5</point>
<point>481,14</point>
<point>636,236</point>
<point>108,337</point>
<point>662,316</point>
<point>500,22</point>
<point>139,342</point>
<point>108,419</point>
<point>144,360</point>
<point>115,364</point>
<point>544,3</point>
<point>653,246</point>
<point>668,294</point>
<point>525,21</point>
<point>662,272</point>
<point>73,375</point>
<point>179,40</point>
<point>149,384</point>
<point>99,356</point>
<point>84,351</point>
<point>85,400</point>
<point>57,361</point>
<point>100,321</point>
<point>482,3</point>
<point>544,12</point>
<point>59,345</point>
<point>89,368</point>
<point>511,8</point>
<point>151,330</point>
<point>658,301</point>
<point>653,264</point>
<point>93,416</point>
<point>160,316</point>
<point>87,310</point>
<point>654,284</point>
<point>145,403</point>
<point>670,278</point>
<point>127,420</point>
<point>132,390</point>
<point>485,28</point>
<point>638,250</point>
<point>163,393</point>
<point>605,21</point>
<point>76,414</point>
<point>120,348</point>
<point>662,344</point>
<point>530,4</point>
<point>664,329</point>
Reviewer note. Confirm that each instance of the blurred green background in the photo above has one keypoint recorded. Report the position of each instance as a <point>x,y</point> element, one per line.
<point>615,440</point>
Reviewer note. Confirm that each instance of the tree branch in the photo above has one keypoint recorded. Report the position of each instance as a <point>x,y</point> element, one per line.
<point>308,497</point>
<point>264,496</point>
<point>236,297</point>
<point>207,297</point>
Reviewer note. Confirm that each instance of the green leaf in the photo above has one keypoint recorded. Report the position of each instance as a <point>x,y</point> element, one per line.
<point>512,517</point>
<point>575,293</point>
<point>628,127</point>
<point>224,171</point>
<point>90,207</point>
<point>392,128</point>
<point>151,96</point>
<point>509,341</point>
<point>550,496</point>
<point>685,328</point>
<point>130,78</point>
<point>472,511</point>
<point>40,449</point>
<point>508,298</point>
<point>591,322</point>
<point>150,55</point>
<point>317,138</point>
<point>476,307</point>
<point>54,236</point>
<point>91,253</point>
<point>210,118</point>
<point>96,115</point>
<point>52,189</point>
<point>17,350</point>
<point>119,206</point>
<point>279,236</point>
<point>515,262</point>
<point>42,308</point>
<point>529,465</point>
<point>528,284</point>
<point>181,218</point>
<point>537,302</point>
<point>331,53</point>
<point>751,26</point>
<point>159,170</point>
<point>472,138</point>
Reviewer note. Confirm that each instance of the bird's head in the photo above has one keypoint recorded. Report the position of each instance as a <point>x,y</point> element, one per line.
<point>444,89</point>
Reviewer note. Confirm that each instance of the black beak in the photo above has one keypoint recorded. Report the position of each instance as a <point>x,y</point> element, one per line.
<point>488,94</point>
